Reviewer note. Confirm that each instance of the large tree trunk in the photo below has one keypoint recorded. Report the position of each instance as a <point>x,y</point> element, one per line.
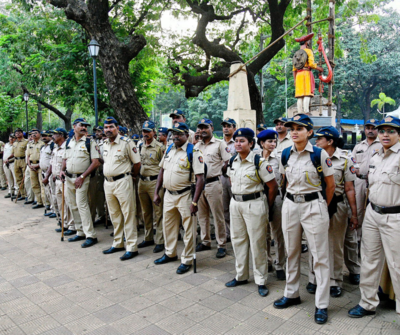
<point>255,97</point>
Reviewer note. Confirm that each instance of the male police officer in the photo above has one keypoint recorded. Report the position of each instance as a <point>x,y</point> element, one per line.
<point>177,175</point>
<point>3,181</point>
<point>179,116</point>
<point>120,153</point>
<point>151,154</point>
<point>216,156</point>
<point>46,153</point>
<point>162,137</point>
<point>81,158</point>
<point>9,167</point>
<point>284,140</point>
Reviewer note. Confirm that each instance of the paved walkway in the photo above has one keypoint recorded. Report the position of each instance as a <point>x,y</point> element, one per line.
<point>53,287</point>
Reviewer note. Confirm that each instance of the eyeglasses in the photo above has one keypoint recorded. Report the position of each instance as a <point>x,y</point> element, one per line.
<point>387,131</point>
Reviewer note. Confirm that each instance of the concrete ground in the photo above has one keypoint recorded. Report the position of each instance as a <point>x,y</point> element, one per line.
<point>53,287</point>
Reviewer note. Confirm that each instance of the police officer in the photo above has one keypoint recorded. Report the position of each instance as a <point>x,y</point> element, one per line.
<point>30,195</point>
<point>151,153</point>
<point>328,138</point>
<point>162,137</point>
<point>177,175</point>
<point>381,226</point>
<point>267,140</point>
<point>135,139</point>
<point>46,153</point>
<point>284,139</point>
<point>18,152</point>
<point>9,167</point>
<point>121,158</point>
<point>3,180</point>
<point>257,149</point>
<point>179,116</point>
<point>81,158</point>
<point>304,208</point>
<point>228,128</point>
<point>216,156</point>
<point>249,210</point>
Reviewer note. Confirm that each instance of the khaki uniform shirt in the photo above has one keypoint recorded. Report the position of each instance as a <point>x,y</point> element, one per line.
<point>7,151</point>
<point>119,156</point>
<point>384,177</point>
<point>285,143</point>
<point>273,160</point>
<point>1,149</point>
<point>77,155</point>
<point>231,146</point>
<point>243,175</point>
<point>344,170</point>
<point>215,153</point>
<point>45,157</point>
<point>362,154</point>
<point>57,158</point>
<point>177,168</point>
<point>151,156</point>
<point>19,147</point>
<point>33,151</point>
<point>300,172</point>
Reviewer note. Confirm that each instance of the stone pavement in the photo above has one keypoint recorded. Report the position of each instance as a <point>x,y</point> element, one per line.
<point>53,287</point>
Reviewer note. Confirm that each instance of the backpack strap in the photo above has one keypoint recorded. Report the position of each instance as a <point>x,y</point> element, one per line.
<point>316,160</point>
<point>68,140</point>
<point>140,147</point>
<point>52,146</point>
<point>257,163</point>
<point>231,160</point>
<point>189,152</point>
<point>285,156</point>
<point>87,143</point>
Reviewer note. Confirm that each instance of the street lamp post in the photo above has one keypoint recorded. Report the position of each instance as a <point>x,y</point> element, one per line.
<point>262,39</point>
<point>26,98</point>
<point>94,48</point>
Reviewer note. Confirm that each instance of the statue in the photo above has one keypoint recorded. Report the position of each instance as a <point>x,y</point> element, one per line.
<point>303,62</point>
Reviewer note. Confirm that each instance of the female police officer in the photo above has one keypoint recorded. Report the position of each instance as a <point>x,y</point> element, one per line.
<point>306,169</point>
<point>381,226</point>
<point>328,138</point>
<point>249,209</point>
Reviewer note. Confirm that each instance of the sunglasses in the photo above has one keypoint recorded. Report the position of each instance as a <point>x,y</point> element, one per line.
<point>387,131</point>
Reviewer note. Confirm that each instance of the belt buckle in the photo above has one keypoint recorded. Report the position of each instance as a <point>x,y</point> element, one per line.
<point>147,178</point>
<point>109,179</point>
<point>239,198</point>
<point>173,192</point>
<point>378,209</point>
<point>299,198</point>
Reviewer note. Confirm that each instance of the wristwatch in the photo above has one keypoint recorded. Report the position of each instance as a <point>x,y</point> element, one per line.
<point>194,203</point>
<point>82,177</point>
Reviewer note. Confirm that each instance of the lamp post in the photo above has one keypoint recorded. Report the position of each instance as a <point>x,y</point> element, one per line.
<point>26,98</point>
<point>94,48</point>
<point>262,39</point>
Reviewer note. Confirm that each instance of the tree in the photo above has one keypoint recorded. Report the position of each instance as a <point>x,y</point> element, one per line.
<point>382,101</point>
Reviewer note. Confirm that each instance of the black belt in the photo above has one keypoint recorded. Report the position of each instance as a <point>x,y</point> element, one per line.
<point>385,210</point>
<point>211,180</point>
<point>34,162</point>
<point>58,178</point>
<point>151,178</point>
<point>363,176</point>
<point>340,198</point>
<point>179,192</point>
<point>120,176</point>
<point>298,198</point>
<point>247,197</point>
<point>19,157</point>
<point>72,175</point>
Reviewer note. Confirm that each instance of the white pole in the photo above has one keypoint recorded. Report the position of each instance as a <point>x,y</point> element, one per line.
<point>285,86</point>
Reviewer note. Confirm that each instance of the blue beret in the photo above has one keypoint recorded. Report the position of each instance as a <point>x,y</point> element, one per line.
<point>82,121</point>
<point>177,112</point>
<point>267,134</point>
<point>389,121</point>
<point>327,131</point>
<point>206,122</point>
<point>20,130</point>
<point>229,121</point>
<point>163,130</point>
<point>46,133</point>
<point>135,137</point>
<point>280,119</point>
<point>180,127</point>
<point>34,129</point>
<point>149,126</point>
<point>301,120</point>
<point>110,120</point>
<point>244,132</point>
<point>261,126</point>
<point>60,131</point>
<point>372,122</point>
<point>123,129</point>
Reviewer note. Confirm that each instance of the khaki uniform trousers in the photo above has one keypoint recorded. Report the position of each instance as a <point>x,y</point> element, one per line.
<point>211,199</point>
<point>35,182</point>
<point>226,200</point>
<point>249,220</point>
<point>360,186</point>
<point>313,218</point>
<point>146,196</point>
<point>19,171</point>
<point>68,218</point>
<point>79,204</point>
<point>10,174</point>
<point>121,199</point>
<point>45,198</point>
<point>28,185</point>
<point>48,198</point>
<point>55,208</point>
<point>380,240</point>
<point>175,207</point>
<point>3,179</point>
<point>276,229</point>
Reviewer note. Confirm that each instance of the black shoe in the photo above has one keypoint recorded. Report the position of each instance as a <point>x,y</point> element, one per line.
<point>7,196</point>
<point>165,259</point>
<point>26,202</point>
<point>284,302</point>
<point>76,238</point>
<point>212,237</point>
<point>14,197</point>
<point>34,203</point>
<point>128,255</point>
<point>21,198</point>
<point>69,232</point>
<point>89,242</point>
<point>112,250</point>
<point>52,216</point>
<point>234,282</point>
<point>202,247</point>
<point>47,207</point>
<point>183,268</point>
<point>336,291</point>
<point>280,274</point>
<point>321,315</point>
<point>311,288</point>
<point>228,239</point>
<point>58,230</point>
<point>263,290</point>
<point>48,214</point>
<point>99,221</point>
<point>112,234</point>
<point>354,279</point>
<point>179,237</point>
<point>145,244</point>
<point>221,253</point>
<point>270,268</point>
<point>359,312</point>
<point>304,248</point>
<point>272,243</point>
<point>37,206</point>
<point>158,248</point>
<point>3,188</point>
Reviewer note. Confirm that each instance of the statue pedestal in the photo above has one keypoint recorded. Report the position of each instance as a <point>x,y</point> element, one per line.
<point>239,107</point>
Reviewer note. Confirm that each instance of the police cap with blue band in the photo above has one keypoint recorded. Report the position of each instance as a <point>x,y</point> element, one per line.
<point>180,127</point>
<point>389,121</point>
<point>247,132</point>
<point>60,131</point>
<point>177,112</point>
<point>227,120</point>
<point>163,130</point>
<point>300,119</point>
<point>280,119</point>
<point>149,126</point>
<point>110,120</point>
<point>327,132</point>
<point>372,122</point>
<point>262,126</point>
<point>82,121</point>
<point>206,122</point>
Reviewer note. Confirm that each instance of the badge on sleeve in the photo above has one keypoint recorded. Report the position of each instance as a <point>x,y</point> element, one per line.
<point>201,159</point>
<point>269,169</point>
<point>228,150</point>
<point>328,162</point>
<point>352,170</point>
<point>134,150</point>
<point>353,160</point>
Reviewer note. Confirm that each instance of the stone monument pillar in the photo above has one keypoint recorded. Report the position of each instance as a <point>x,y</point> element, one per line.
<point>239,100</point>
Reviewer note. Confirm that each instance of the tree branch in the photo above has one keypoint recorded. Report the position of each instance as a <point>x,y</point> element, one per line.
<point>75,10</point>
<point>238,31</point>
<point>114,4</point>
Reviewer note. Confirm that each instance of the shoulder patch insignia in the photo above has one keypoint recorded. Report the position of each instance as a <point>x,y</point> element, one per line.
<point>201,159</point>
<point>134,150</point>
<point>328,162</point>
<point>227,150</point>
<point>269,169</point>
<point>352,170</point>
<point>353,160</point>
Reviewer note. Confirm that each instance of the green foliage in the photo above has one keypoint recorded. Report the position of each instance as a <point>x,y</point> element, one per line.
<point>383,99</point>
